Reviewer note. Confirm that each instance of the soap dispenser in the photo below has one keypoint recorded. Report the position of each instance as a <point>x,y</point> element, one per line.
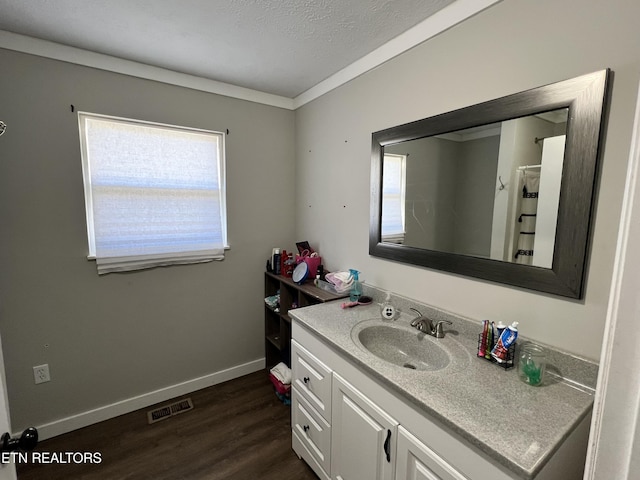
<point>387,310</point>
<point>356,287</point>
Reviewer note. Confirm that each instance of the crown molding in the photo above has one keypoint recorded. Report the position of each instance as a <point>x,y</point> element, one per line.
<point>78,56</point>
<point>439,22</point>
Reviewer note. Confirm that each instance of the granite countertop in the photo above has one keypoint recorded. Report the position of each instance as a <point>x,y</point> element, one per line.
<point>517,425</point>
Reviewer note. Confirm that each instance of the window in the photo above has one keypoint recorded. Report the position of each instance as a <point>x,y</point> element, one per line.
<point>154,193</point>
<point>393,198</point>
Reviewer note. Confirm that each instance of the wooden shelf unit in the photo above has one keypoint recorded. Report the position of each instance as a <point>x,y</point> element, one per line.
<point>277,324</point>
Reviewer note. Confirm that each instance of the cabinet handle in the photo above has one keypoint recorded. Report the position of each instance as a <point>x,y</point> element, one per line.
<point>306,380</point>
<point>305,428</point>
<point>387,446</point>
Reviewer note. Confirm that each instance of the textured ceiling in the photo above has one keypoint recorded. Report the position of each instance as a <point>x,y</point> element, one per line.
<point>283,47</point>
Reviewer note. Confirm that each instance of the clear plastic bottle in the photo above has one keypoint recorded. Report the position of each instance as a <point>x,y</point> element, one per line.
<point>356,287</point>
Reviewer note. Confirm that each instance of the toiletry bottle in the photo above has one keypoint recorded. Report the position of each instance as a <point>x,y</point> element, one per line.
<point>482,343</point>
<point>287,264</point>
<point>500,327</point>
<point>387,310</point>
<point>276,261</point>
<point>491,339</point>
<point>283,259</point>
<point>507,339</point>
<point>356,286</point>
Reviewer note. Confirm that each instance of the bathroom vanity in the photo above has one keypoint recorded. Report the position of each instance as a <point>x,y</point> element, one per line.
<point>357,416</point>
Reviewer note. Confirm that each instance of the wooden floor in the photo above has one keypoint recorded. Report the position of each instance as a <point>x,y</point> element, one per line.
<point>237,430</point>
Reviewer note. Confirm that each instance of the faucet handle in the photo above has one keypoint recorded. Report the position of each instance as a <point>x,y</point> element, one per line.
<point>415,321</point>
<point>438,331</point>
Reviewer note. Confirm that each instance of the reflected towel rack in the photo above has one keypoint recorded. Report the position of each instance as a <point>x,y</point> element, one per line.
<point>526,167</point>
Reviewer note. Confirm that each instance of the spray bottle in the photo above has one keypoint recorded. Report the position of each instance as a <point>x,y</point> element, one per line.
<point>356,286</point>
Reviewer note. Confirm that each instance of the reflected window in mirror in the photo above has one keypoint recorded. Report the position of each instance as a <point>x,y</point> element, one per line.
<point>394,198</point>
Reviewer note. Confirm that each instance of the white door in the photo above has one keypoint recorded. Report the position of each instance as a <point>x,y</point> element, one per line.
<point>548,200</point>
<point>8,470</point>
<point>363,436</point>
<point>416,461</point>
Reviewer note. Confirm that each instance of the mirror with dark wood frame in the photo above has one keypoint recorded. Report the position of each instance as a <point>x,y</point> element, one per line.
<point>501,191</point>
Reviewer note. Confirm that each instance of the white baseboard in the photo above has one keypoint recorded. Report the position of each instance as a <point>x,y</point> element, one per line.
<point>106,412</point>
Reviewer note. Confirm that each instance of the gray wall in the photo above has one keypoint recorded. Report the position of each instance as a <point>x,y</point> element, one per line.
<point>111,338</point>
<point>449,193</point>
<point>513,46</point>
<point>430,192</point>
<point>475,195</point>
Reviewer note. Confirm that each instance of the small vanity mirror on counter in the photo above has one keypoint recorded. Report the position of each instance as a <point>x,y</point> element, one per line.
<point>502,190</point>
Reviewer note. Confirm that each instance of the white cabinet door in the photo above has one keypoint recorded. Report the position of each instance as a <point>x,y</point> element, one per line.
<point>416,461</point>
<point>363,439</point>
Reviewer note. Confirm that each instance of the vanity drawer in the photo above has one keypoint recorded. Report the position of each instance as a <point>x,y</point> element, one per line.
<point>312,379</point>
<point>311,429</point>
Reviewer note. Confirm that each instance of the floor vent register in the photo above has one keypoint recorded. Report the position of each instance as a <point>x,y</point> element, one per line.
<point>170,410</point>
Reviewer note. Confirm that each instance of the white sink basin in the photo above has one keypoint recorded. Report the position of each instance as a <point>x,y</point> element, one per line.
<point>401,345</point>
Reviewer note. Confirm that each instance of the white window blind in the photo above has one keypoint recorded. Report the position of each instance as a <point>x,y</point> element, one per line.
<point>393,198</point>
<point>154,193</point>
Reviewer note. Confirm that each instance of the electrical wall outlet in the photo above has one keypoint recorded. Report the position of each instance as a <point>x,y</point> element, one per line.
<point>41,373</point>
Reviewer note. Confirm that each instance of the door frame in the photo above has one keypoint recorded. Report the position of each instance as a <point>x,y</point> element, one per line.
<point>7,470</point>
<point>612,451</point>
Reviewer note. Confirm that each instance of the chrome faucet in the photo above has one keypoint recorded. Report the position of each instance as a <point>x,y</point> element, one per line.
<point>426,325</point>
<point>422,323</point>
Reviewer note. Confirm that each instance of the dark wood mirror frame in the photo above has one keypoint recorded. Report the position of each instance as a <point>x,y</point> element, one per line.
<point>585,97</point>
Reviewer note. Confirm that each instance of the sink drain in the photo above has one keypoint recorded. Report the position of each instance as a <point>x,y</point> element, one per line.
<point>408,365</point>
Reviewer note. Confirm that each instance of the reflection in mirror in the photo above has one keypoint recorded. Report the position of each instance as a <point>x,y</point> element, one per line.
<point>491,191</point>
<point>502,190</point>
